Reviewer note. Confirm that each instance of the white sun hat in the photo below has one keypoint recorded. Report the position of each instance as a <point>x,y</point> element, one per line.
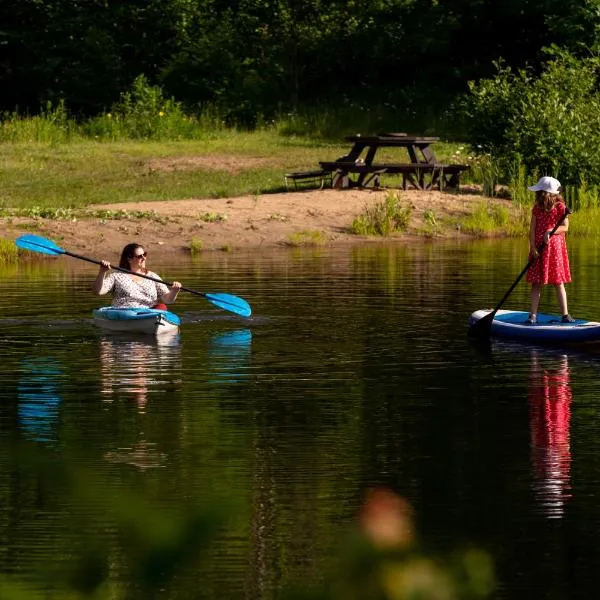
<point>546,184</point>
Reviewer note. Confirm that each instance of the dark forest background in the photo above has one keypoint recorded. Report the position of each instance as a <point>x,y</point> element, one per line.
<point>253,60</point>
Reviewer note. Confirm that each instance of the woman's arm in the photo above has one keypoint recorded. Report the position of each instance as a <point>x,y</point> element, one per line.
<point>99,281</point>
<point>171,295</point>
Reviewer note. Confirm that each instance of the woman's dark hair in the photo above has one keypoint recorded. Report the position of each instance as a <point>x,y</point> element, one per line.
<point>128,252</point>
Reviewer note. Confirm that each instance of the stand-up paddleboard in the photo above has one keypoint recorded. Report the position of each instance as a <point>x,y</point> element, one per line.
<point>549,329</point>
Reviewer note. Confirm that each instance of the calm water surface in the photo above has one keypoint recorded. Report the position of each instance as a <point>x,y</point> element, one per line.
<point>355,370</point>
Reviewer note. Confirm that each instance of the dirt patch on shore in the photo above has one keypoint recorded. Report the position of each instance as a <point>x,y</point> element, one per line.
<point>270,220</point>
<point>219,162</point>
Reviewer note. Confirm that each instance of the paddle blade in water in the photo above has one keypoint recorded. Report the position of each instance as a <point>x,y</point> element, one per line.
<point>231,303</point>
<point>37,243</point>
<point>483,327</point>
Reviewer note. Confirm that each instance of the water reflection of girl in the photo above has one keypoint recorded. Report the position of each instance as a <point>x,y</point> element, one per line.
<point>550,413</point>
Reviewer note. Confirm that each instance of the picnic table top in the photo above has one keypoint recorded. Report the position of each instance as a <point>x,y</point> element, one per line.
<point>391,139</point>
<point>352,166</point>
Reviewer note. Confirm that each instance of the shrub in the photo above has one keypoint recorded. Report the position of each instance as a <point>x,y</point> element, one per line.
<point>383,218</point>
<point>548,122</point>
<point>144,113</point>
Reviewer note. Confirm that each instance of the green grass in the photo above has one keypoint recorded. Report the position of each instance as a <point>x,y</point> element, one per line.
<point>212,217</point>
<point>490,217</point>
<point>66,172</point>
<point>585,223</point>
<point>383,218</point>
<point>83,172</point>
<point>311,238</point>
<point>8,252</point>
<point>196,246</point>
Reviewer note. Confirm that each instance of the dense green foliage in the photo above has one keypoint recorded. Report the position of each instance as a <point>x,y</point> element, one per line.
<point>547,123</point>
<point>255,59</point>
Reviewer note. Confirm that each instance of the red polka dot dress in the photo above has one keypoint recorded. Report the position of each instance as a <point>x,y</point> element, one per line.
<point>552,266</point>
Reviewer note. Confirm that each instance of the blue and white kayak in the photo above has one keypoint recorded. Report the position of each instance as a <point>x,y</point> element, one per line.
<point>136,320</point>
<point>549,329</point>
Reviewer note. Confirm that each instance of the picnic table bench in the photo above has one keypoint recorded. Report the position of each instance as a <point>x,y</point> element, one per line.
<point>422,171</point>
<point>319,176</point>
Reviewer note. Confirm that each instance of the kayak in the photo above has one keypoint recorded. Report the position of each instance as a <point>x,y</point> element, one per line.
<point>549,329</point>
<point>136,320</point>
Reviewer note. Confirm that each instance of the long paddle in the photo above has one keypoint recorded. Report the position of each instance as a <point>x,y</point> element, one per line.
<point>37,243</point>
<point>483,327</point>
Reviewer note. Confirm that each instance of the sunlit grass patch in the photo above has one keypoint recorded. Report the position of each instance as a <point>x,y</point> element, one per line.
<point>585,223</point>
<point>307,238</point>
<point>384,218</point>
<point>196,246</point>
<point>490,217</point>
<point>8,252</point>
<point>212,217</point>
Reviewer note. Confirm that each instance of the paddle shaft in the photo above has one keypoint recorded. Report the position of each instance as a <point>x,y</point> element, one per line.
<point>99,262</point>
<point>485,324</point>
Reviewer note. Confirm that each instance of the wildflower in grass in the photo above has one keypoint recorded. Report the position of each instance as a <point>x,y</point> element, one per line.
<point>109,116</point>
<point>161,114</point>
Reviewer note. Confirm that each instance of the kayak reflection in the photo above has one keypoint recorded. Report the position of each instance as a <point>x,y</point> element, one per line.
<point>39,398</point>
<point>136,367</point>
<point>549,417</point>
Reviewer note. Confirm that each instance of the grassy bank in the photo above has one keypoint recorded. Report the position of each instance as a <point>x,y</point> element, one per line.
<point>69,172</point>
<point>229,163</point>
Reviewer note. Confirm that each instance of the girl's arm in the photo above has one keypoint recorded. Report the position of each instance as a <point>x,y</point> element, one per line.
<point>562,229</point>
<point>532,249</point>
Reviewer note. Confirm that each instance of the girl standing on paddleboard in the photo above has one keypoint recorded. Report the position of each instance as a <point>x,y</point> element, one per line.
<point>551,266</point>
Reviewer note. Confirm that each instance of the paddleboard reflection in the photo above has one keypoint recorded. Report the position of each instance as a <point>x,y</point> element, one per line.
<point>549,417</point>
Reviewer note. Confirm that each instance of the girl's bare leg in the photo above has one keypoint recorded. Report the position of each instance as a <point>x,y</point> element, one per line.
<point>536,291</point>
<point>561,296</point>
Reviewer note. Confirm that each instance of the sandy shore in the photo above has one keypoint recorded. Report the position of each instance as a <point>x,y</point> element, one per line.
<point>264,221</point>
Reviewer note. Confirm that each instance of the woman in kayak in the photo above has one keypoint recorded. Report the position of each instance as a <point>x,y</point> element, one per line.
<point>130,291</point>
<point>551,266</point>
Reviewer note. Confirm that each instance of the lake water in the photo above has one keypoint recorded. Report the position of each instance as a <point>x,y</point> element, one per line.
<point>354,371</point>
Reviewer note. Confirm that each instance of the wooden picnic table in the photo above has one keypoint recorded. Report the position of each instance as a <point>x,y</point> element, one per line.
<point>421,171</point>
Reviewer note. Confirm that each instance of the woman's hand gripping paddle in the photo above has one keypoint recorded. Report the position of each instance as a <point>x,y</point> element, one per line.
<point>37,243</point>
<point>483,327</point>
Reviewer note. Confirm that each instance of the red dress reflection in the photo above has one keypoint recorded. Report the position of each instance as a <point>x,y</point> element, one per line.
<point>550,413</point>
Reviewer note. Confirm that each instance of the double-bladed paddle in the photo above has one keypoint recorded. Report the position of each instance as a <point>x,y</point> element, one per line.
<point>483,327</point>
<point>37,243</point>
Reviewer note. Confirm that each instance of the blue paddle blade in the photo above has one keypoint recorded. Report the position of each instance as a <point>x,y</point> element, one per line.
<point>231,303</point>
<point>37,243</point>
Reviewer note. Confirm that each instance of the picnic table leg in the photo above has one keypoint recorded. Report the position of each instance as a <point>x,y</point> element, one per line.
<point>437,178</point>
<point>412,154</point>
<point>374,177</point>
<point>454,180</point>
<point>340,180</point>
<point>413,179</point>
